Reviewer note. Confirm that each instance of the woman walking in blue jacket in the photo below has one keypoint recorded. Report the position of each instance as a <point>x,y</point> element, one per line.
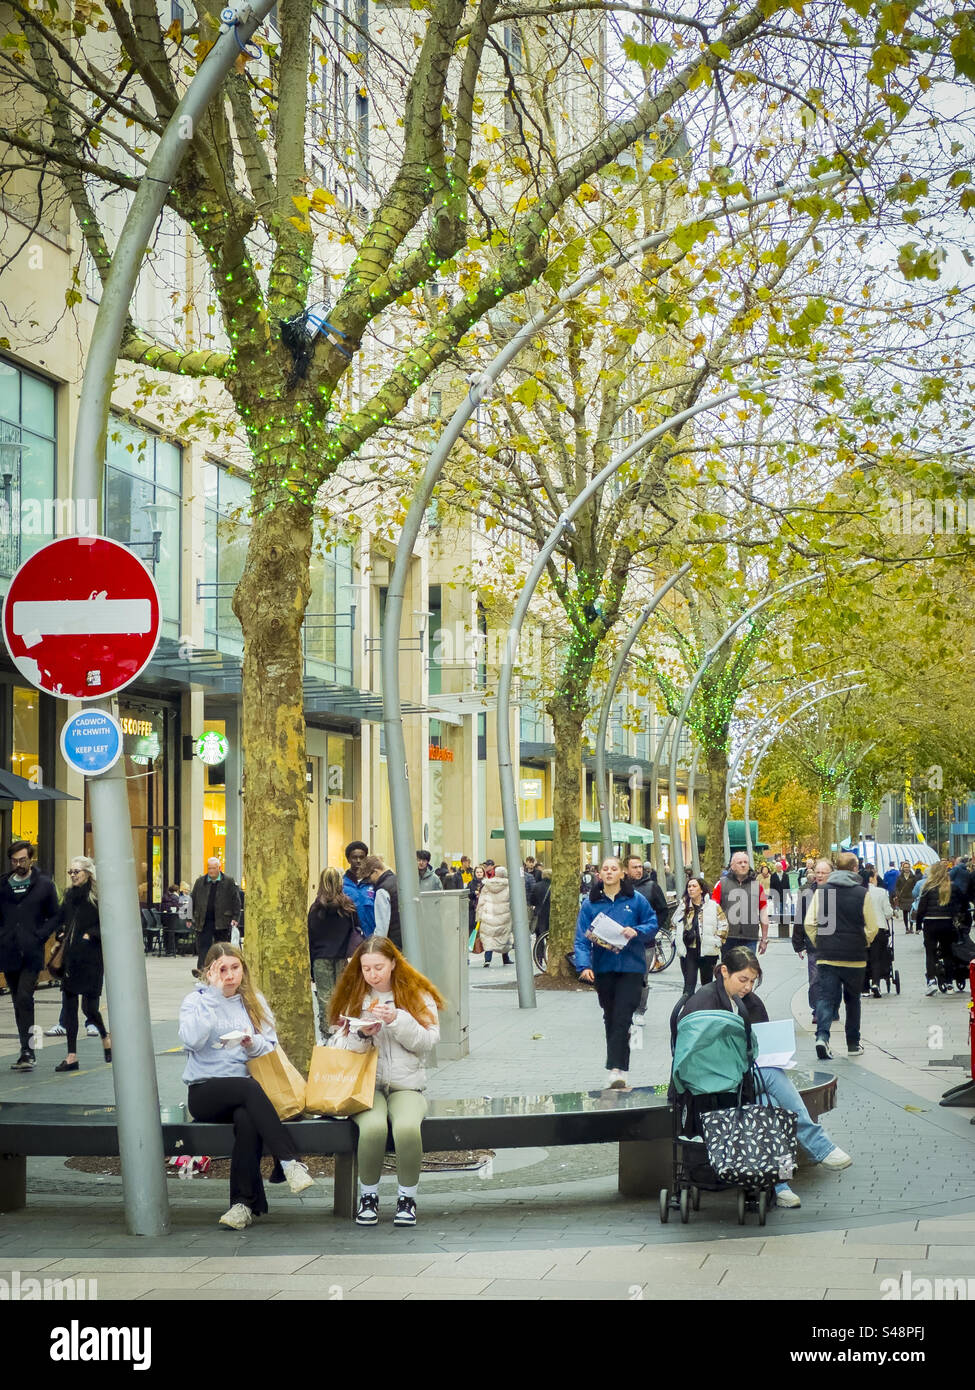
<point>612,932</point>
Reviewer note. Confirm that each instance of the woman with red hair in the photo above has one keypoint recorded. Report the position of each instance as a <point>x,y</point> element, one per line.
<point>380,984</point>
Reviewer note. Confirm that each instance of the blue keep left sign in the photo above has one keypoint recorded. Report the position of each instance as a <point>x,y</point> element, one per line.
<point>91,742</point>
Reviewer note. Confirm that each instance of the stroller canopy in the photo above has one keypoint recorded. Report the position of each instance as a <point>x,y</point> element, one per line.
<point>711,1054</point>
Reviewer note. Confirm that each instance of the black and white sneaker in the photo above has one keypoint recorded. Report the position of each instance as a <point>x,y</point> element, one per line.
<point>823,1051</point>
<point>405,1212</point>
<point>367,1212</point>
<point>25,1062</point>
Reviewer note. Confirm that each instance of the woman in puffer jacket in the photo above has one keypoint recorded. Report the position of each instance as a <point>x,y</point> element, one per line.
<point>698,923</point>
<point>494,915</point>
<point>379,983</point>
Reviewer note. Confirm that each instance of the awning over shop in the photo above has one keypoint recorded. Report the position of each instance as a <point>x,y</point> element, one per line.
<point>736,835</point>
<point>589,832</point>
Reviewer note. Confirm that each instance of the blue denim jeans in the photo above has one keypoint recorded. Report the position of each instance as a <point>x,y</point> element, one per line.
<point>813,1139</point>
<point>839,982</point>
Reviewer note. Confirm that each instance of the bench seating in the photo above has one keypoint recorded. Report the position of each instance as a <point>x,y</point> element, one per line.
<point>638,1120</point>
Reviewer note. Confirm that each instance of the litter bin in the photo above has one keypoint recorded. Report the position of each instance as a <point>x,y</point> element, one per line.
<point>444,932</point>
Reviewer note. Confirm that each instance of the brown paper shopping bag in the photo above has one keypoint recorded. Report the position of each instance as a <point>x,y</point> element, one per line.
<point>341,1082</point>
<point>282,1083</point>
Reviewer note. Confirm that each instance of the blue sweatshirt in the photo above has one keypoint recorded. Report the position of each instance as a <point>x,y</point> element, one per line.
<point>206,1014</point>
<point>627,909</point>
<point>364,896</point>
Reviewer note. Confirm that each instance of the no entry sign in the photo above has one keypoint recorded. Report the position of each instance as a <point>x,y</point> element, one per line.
<point>81,618</point>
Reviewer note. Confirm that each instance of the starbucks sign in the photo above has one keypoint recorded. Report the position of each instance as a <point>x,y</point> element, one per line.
<point>212,747</point>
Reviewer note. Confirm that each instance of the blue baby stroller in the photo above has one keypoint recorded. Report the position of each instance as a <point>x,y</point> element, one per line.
<point>714,1054</point>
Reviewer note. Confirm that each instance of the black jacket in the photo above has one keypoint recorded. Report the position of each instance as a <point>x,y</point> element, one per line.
<point>84,972</point>
<point>541,901</point>
<point>330,931</point>
<point>226,905</point>
<point>715,996</point>
<point>932,913</point>
<point>650,889</point>
<point>26,921</point>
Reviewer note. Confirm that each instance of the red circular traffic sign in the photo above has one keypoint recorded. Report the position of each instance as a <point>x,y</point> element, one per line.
<point>81,618</point>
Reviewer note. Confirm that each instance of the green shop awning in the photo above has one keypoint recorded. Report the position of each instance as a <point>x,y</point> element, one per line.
<point>589,832</point>
<point>736,835</point>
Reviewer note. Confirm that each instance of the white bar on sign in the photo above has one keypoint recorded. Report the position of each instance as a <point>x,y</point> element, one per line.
<point>80,617</point>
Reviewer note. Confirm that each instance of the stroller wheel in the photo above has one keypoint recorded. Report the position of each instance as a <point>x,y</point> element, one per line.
<point>741,1206</point>
<point>664,1205</point>
<point>696,1198</point>
<point>762,1206</point>
<point>897,981</point>
<point>685,1205</point>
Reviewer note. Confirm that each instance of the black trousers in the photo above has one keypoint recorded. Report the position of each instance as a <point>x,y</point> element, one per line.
<point>692,963</point>
<point>938,941</point>
<point>618,996</point>
<point>69,1013</point>
<point>205,940</point>
<point>240,1101</point>
<point>21,984</point>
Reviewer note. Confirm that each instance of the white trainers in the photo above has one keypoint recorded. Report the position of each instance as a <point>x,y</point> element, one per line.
<point>932,988</point>
<point>57,1032</point>
<point>299,1178</point>
<point>836,1159</point>
<point>639,1020</point>
<point>91,1030</point>
<point>238,1218</point>
<point>617,1080</point>
<point>787,1198</point>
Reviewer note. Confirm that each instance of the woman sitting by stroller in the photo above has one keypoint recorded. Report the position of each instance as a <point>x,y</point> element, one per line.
<point>733,989</point>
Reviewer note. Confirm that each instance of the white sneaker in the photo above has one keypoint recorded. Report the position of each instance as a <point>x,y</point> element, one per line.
<point>617,1080</point>
<point>238,1218</point>
<point>299,1178</point>
<point>56,1032</point>
<point>932,988</point>
<point>787,1198</point>
<point>836,1159</point>
<point>91,1030</point>
<point>639,1020</point>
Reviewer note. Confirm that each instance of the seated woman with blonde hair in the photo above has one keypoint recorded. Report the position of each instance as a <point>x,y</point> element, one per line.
<point>380,984</point>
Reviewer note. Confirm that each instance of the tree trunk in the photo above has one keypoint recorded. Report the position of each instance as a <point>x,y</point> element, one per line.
<point>270,603</point>
<point>713,860</point>
<point>567,722</point>
<point>856,821</point>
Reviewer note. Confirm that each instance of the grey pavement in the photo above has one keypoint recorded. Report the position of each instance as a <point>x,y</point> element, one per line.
<point>546,1224</point>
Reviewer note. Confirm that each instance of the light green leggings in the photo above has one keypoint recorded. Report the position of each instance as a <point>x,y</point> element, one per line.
<point>402,1111</point>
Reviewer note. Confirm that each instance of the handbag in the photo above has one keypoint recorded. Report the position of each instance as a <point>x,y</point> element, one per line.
<point>353,941</point>
<point>476,944</point>
<point>751,1145</point>
<point>282,1083</point>
<point>55,964</point>
<point>341,1082</point>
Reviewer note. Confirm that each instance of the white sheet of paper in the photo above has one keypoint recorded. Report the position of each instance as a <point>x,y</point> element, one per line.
<point>776,1043</point>
<point>607,930</point>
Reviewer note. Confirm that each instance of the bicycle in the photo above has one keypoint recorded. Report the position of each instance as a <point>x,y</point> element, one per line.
<point>664,950</point>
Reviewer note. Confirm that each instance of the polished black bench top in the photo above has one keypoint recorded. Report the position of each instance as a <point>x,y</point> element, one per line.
<point>568,1117</point>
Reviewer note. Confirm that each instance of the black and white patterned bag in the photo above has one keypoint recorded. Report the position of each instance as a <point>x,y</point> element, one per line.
<point>751,1144</point>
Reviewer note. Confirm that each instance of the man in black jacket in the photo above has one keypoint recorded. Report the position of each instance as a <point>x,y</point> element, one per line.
<point>841,923</point>
<point>28,908</point>
<point>216,908</point>
<point>647,886</point>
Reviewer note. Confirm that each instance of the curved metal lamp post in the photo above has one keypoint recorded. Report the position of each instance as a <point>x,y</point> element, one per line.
<point>658,849</point>
<point>602,782</point>
<point>401,811</point>
<point>773,735</point>
<point>747,737</point>
<point>676,850</point>
<point>692,816</point>
<point>509,803</point>
<point>144,1193</point>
